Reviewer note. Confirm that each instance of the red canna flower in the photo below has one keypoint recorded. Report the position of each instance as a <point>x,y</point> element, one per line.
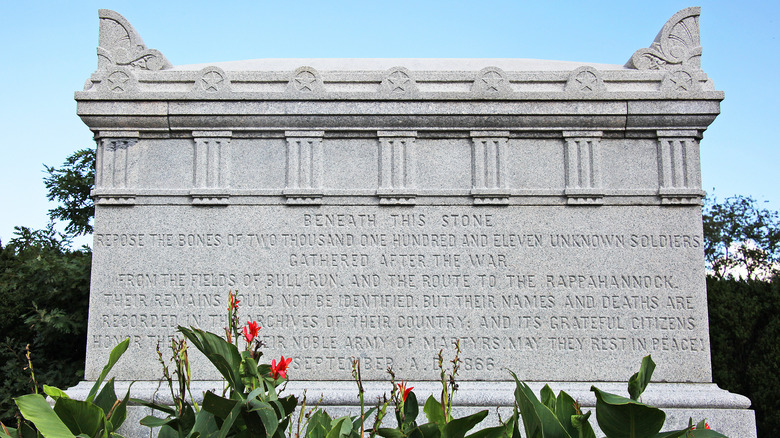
<point>404,390</point>
<point>280,369</point>
<point>252,332</point>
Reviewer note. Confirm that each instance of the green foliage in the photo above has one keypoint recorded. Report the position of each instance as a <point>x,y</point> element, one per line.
<point>741,236</point>
<point>438,425</point>
<point>744,329</point>
<point>253,407</point>
<point>70,185</point>
<point>44,288</point>
<point>553,417</point>
<point>99,416</point>
<point>618,417</point>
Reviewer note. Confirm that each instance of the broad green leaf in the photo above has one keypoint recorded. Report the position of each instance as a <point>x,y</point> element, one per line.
<point>12,431</point>
<point>168,432</point>
<point>152,421</point>
<point>252,426</point>
<point>54,392</point>
<point>531,421</point>
<point>547,397</point>
<point>35,408</point>
<point>340,427</point>
<point>106,397</point>
<point>81,417</point>
<point>582,426</point>
<point>620,417</point>
<point>227,425</point>
<point>205,425</point>
<point>119,414</point>
<point>29,431</point>
<point>222,354</point>
<point>672,434</point>
<point>493,432</point>
<point>113,357</point>
<point>564,410</point>
<point>411,409</point>
<point>267,416</point>
<point>639,381</point>
<point>538,419</point>
<point>386,432</point>
<point>220,407</point>
<point>434,413</point>
<point>157,407</point>
<point>516,421</point>
<point>428,430</point>
<point>289,404</point>
<point>319,424</point>
<point>458,427</point>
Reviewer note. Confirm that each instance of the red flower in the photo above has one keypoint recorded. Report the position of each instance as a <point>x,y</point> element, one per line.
<point>404,390</point>
<point>252,332</point>
<point>280,369</point>
<point>706,426</point>
<point>233,301</point>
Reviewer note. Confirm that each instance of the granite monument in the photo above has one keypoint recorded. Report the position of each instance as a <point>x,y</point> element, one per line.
<point>544,213</point>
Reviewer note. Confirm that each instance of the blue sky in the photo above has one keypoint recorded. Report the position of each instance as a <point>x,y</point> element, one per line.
<point>49,51</point>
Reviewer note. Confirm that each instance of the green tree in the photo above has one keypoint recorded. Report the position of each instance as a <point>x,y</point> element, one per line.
<point>739,236</point>
<point>70,185</point>
<point>744,328</point>
<point>44,289</point>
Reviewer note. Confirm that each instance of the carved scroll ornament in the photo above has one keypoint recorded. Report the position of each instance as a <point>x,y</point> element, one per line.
<point>120,45</point>
<point>676,45</point>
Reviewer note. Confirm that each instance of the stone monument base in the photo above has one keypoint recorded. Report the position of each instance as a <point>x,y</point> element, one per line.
<point>726,412</point>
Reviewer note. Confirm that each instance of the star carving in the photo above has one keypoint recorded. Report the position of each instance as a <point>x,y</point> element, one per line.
<point>398,82</point>
<point>586,81</point>
<point>305,81</point>
<point>211,81</point>
<point>492,81</point>
<point>117,81</point>
<point>681,81</point>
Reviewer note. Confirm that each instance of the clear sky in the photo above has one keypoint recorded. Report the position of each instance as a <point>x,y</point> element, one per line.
<point>49,51</point>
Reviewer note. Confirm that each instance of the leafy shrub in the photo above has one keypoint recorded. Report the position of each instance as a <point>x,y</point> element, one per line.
<point>44,288</point>
<point>744,329</point>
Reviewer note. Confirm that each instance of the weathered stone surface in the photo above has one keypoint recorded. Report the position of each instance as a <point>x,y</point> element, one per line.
<point>545,213</point>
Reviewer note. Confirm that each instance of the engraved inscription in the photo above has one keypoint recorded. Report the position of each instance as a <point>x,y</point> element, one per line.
<point>395,287</point>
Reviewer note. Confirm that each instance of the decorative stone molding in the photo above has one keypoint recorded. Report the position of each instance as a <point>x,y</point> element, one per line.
<point>212,81</point>
<point>582,164</point>
<point>397,167</point>
<point>305,81</point>
<point>676,45</point>
<point>678,162</point>
<point>210,168</point>
<point>491,82</point>
<point>117,80</point>
<point>488,167</point>
<point>116,168</point>
<point>304,167</point>
<point>398,82</point>
<point>120,45</point>
<point>680,82</point>
<point>585,80</point>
